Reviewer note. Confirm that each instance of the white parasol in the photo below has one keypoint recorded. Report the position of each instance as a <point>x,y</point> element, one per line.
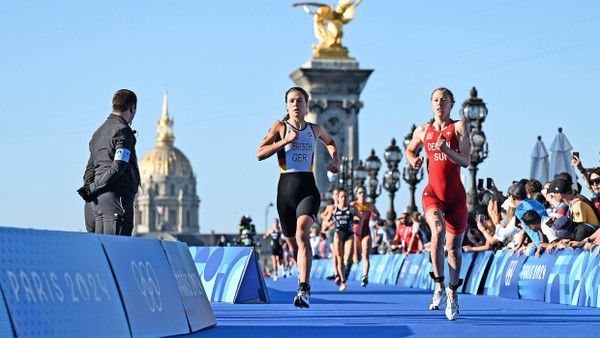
<point>539,162</point>
<point>560,160</point>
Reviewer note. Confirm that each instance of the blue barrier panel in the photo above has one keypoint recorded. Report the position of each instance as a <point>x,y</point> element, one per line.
<point>330,270</point>
<point>356,271</point>
<point>147,284</point>
<point>59,283</point>
<point>478,269</point>
<point>223,273</point>
<point>495,276</point>
<point>563,280</point>
<point>374,272</point>
<point>587,291</point>
<point>380,270</point>
<point>403,273</point>
<point>394,270</point>
<point>322,273</point>
<point>577,274</point>
<point>197,307</point>
<point>465,266</point>
<point>534,276</point>
<point>509,282</point>
<point>314,268</point>
<point>294,270</point>
<point>409,270</point>
<point>423,279</point>
<point>6,329</point>
<point>253,288</point>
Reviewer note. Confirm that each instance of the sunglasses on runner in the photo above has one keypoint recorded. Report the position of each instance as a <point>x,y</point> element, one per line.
<point>595,182</point>
<point>360,192</point>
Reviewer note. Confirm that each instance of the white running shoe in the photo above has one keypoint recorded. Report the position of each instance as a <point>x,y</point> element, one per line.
<point>438,300</point>
<point>452,309</point>
<point>301,300</point>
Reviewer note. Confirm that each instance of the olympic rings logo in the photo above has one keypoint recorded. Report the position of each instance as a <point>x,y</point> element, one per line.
<point>147,283</point>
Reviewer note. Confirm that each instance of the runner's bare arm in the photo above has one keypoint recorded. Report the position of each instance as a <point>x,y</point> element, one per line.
<point>356,213</point>
<point>376,212</point>
<point>267,234</point>
<point>329,142</point>
<point>414,145</point>
<point>270,145</point>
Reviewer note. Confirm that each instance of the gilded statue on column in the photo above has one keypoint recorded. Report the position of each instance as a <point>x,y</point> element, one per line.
<point>328,25</point>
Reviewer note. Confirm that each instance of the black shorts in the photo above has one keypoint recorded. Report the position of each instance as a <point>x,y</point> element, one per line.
<point>277,251</point>
<point>344,235</point>
<point>297,195</point>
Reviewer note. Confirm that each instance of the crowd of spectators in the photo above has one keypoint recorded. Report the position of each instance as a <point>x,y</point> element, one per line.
<point>533,218</point>
<point>529,219</point>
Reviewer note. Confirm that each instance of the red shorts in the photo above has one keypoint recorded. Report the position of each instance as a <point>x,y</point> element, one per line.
<point>455,210</point>
<point>361,231</point>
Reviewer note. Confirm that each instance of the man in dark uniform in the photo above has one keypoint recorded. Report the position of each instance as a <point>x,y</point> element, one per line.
<point>116,174</point>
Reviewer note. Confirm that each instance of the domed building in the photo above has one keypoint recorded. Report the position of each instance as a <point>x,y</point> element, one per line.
<point>167,205</point>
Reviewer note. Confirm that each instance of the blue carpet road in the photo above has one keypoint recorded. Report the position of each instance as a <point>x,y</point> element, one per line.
<point>389,311</point>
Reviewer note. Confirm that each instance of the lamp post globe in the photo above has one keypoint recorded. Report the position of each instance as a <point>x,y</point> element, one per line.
<point>391,179</point>
<point>360,174</point>
<point>372,165</point>
<point>410,175</point>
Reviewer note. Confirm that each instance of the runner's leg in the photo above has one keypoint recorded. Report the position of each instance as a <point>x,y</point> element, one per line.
<point>303,250</point>
<point>366,249</point>
<point>438,229</point>
<point>339,251</point>
<point>453,244</point>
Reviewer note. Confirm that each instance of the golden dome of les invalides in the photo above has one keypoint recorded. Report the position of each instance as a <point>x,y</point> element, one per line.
<point>167,204</point>
<point>165,159</point>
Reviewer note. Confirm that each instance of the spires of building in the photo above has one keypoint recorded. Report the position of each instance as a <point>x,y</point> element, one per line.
<point>167,204</point>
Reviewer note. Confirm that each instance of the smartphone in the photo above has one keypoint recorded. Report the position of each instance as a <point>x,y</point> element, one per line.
<point>576,154</point>
<point>479,218</point>
<point>480,183</point>
<point>489,183</point>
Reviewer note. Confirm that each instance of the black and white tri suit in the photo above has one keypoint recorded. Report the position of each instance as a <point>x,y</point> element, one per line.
<point>297,192</point>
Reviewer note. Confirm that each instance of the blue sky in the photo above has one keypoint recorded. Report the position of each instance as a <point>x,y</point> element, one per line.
<point>226,65</point>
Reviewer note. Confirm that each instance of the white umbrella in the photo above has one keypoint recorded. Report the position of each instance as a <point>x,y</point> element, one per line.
<point>539,162</point>
<point>560,160</point>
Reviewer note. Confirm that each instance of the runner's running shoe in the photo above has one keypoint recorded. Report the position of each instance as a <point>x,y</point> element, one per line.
<point>365,281</point>
<point>275,278</point>
<point>338,280</point>
<point>343,287</point>
<point>452,307</point>
<point>438,300</point>
<point>301,300</point>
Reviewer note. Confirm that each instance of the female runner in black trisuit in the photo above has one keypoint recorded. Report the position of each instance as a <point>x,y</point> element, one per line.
<point>298,199</point>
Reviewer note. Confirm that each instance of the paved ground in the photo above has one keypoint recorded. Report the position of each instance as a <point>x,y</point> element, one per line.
<point>389,311</point>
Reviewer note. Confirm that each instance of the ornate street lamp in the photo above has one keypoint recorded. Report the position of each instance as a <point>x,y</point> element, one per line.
<point>410,175</point>
<point>267,216</point>
<point>391,179</point>
<point>474,112</point>
<point>345,177</point>
<point>360,174</point>
<point>372,164</point>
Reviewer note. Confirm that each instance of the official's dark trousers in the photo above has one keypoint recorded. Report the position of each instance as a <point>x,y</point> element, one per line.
<point>113,212</point>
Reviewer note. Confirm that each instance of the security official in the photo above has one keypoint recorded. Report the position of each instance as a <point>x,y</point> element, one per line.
<point>116,174</point>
